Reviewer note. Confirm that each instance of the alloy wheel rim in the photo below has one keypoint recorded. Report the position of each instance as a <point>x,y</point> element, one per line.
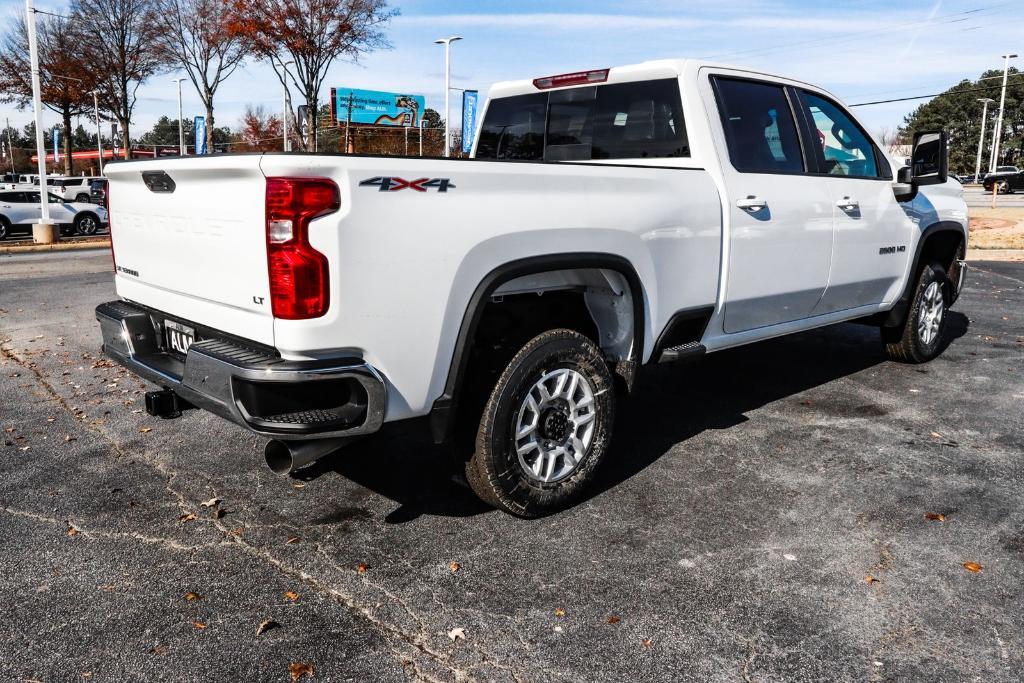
<point>932,310</point>
<point>88,225</point>
<point>555,425</point>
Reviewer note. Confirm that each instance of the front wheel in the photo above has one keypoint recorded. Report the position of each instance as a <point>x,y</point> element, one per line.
<point>919,339</point>
<point>86,224</point>
<point>1003,187</point>
<point>83,198</point>
<point>546,426</point>
<point>5,228</point>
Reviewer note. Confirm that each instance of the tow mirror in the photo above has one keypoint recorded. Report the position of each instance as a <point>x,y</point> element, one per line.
<point>929,161</point>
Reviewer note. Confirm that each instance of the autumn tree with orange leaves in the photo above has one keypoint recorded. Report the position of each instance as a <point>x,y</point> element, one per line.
<point>260,132</point>
<point>65,79</point>
<point>300,39</point>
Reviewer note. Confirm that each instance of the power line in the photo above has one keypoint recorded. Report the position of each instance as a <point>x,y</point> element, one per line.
<point>922,97</point>
<point>952,18</point>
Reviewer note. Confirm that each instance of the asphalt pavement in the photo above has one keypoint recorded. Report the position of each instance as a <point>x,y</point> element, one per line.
<point>797,510</point>
<point>976,197</point>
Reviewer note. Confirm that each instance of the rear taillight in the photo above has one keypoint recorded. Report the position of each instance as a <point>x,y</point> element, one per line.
<point>299,279</point>
<point>577,78</point>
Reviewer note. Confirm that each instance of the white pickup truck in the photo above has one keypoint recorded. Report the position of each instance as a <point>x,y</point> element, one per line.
<point>608,218</point>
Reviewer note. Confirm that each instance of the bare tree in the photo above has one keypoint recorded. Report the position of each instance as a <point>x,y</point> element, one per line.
<point>197,35</point>
<point>65,81</point>
<point>119,40</point>
<point>302,38</point>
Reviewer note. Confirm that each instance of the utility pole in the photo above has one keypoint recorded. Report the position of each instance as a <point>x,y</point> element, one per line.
<point>45,232</point>
<point>999,121</point>
<point>181,123</point>
<point>348,119</point>
<point>99,138</point>
<point>422,121</point>
<point>447,42</point>
<point>985,101</point>
<point>10,147</point>
<point>285,107</point>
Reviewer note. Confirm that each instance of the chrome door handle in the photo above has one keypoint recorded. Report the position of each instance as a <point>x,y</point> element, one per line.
<point>847,204</point>
<point>751,203</point>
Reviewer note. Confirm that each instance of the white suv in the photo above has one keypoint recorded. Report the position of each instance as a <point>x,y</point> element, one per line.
<point>73,188</point>
<point>19,209</point>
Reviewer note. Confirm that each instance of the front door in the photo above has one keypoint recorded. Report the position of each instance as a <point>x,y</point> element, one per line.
<point>872,233</point>
<point>780,216</point>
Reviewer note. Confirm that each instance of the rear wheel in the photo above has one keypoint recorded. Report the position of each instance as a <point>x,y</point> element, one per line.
<point>86,224</point>
<point>919,339</point>
<point>5,228</point>
<point>1003,187</point>
<point>82,198</point>
<point>546,426</point>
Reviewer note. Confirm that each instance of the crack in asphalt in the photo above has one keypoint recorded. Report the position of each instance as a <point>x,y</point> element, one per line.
<point>105,534</point>
<point>417,642</point>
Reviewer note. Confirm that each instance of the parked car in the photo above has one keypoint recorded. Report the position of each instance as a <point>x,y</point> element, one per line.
<point>663,210</point>
<point>1006,179</point>
<point>76,188</point>
<point>98,191</point>
<point>19,209</point>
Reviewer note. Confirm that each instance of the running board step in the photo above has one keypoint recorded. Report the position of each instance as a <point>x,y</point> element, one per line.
<point>687,351</point>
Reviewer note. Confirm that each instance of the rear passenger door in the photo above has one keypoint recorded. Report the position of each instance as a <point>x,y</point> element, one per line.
<point>780,214</point>
<point>872,232</point>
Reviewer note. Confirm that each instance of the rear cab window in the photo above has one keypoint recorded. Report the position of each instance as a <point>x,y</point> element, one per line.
<point>760,131</point>
<point>635,120</point>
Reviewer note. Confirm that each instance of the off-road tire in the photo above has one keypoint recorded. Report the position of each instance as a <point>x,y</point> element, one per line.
<point>494,471</point>
<point>904,343</point>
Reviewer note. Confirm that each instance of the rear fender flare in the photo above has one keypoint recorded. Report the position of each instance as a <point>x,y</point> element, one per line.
<point>445,407</point>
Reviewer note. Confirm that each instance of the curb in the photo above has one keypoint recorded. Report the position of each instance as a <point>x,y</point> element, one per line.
<point>57,246</point>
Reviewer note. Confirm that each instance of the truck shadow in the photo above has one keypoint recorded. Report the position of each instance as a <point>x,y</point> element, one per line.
<point>671,404</point>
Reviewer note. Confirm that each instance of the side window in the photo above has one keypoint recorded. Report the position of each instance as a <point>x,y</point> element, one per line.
<point>759,127</point>
<point>847,150</point>
<point>639,120</point>
<point>513,128</point>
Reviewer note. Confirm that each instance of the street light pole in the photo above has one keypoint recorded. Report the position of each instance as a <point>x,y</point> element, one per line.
<point>447,42</point>
<point>985,101</point>
<point>284,107</point>
<point>999,121</point>
<point>37,106</point>
<point>181,123</point>
<point>99,140</point>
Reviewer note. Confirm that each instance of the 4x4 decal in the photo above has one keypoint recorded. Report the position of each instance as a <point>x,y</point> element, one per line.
<point>390,184</point>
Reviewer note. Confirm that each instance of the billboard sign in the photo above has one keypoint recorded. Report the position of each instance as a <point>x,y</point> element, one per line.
<point>376,107</point>
<point>470,100</point>
<point>200,129</point>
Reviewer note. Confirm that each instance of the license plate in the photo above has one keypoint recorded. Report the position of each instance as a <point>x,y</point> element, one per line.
<point>178,337</point>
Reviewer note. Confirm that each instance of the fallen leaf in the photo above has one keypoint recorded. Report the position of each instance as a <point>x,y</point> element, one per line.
<point>298,670</point>
<point>160,650</point>
<point>647,643</point>
<point>457,634</point>
<point>936,435</point>
<point>186,517</point>
<point>298,485</point>
<point>935,516</point>
<point>870,580</point>
<point>973,567</point>
<point>210,503</point>
<point>70,438</point>
<point>191,597</point>
<point>199,625</point>
<point>72,531</point>
<point>455,566</point>
<point>362,567</point>
<point>266,625</point>
<point>612,619</point>
<point>293,539</point>
<point>559,612</point>
<point>145,430</point>
<point>291,596</point>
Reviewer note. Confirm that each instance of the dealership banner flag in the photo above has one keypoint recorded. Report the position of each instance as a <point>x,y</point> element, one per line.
<point>200,128</point>
<point>470,99</point>
<point>56,145</point>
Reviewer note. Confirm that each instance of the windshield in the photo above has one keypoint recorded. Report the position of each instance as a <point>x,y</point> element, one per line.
<point>1006,169</point>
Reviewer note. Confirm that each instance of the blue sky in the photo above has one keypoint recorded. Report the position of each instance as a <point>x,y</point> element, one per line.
<point>861,51</point>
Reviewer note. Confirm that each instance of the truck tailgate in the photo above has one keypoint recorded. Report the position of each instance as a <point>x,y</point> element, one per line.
<point>189,239</point>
